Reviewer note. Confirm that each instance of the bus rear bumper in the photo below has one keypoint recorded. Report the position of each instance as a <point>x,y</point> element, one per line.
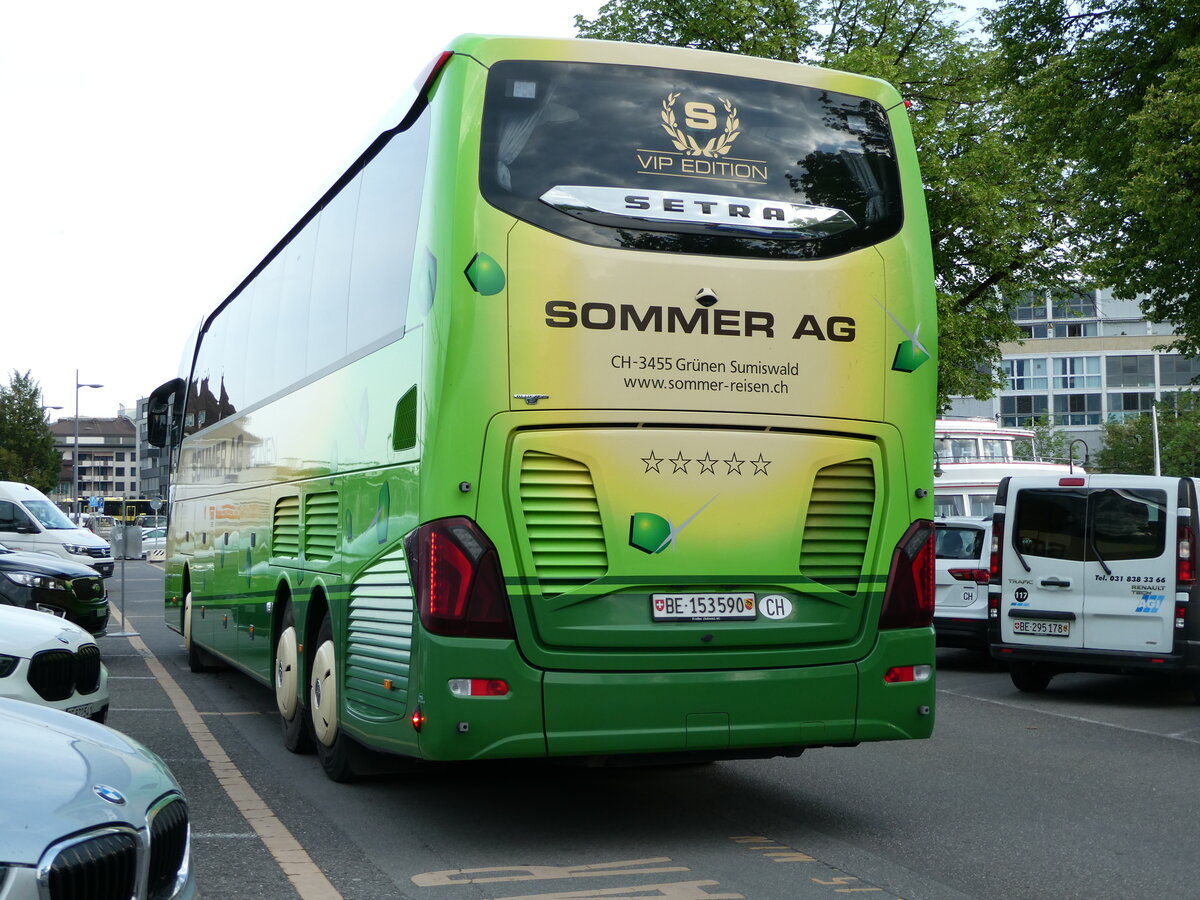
<point>729,712</point>
<point>717,713</point>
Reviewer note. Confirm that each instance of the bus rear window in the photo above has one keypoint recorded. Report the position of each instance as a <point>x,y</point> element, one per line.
<point>670,160</point>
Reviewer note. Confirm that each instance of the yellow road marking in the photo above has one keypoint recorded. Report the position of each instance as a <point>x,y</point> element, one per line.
<point>304,874</point>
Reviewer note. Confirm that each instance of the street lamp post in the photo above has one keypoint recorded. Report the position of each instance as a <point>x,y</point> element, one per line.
<point>75,455</point>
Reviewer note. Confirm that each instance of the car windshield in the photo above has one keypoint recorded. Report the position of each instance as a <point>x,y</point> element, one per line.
<point>48,514</point>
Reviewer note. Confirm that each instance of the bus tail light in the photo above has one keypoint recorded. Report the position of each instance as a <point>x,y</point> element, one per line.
<point>459,589</point>
<point>908,674</point>
<point>478,687</point>
<point>1185,560</point>
<point>908,600</point>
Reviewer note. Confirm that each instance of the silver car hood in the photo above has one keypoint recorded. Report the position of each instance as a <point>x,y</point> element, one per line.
<point>57,767</point>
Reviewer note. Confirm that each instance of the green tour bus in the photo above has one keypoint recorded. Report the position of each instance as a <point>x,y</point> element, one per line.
<point>587,415</point>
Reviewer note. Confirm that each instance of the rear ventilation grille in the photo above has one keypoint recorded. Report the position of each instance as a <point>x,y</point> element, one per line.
<point>838,525</point>
<point>320,525</point>
<point>285,529</point>
<point>379,638</point>
<point>562,519</point>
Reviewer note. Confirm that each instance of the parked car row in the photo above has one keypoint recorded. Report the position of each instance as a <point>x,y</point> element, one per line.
<point>29,521</point>
<point>87,811</point>
<point>1076,573</point>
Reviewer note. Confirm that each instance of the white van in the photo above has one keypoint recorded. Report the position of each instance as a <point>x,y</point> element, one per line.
<point>1094,573</point>
<point>30,522</point>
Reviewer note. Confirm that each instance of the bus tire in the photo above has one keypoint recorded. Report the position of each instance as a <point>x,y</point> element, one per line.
<point>198,660</point>
<point>1029,677</point>
<point>293,718</point>
<point>334,748</point>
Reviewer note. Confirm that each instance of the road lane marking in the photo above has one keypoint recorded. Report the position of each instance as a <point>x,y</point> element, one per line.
<point>1175,736</point>
<point>305,876</point>
<point>532,873</point>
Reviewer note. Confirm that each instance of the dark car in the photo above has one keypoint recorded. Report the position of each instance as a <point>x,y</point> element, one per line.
<point>69,590</point>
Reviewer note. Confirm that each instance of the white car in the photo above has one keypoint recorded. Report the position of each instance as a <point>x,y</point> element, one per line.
<point>963,554</point>
<point>153,539</point>
<point>51,662</point>
<point>87,812</point>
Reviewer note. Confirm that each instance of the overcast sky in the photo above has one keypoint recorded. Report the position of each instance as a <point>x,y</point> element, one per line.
<point>153,152</point>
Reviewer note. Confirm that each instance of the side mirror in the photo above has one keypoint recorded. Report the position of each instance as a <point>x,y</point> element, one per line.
<point>164,413</point>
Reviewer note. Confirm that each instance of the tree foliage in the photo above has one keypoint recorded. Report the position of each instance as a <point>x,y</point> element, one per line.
<point>1003,209</point>
<point>1112,88</point>
<point>1129,445</point>
<point>27,451</point>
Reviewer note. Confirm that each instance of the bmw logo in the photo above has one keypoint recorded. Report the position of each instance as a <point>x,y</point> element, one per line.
<point>112,795</point>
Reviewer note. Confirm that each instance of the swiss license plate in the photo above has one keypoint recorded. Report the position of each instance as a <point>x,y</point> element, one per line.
<point>1041,627</point>
<point>86,711</point>
<point>702,607</point>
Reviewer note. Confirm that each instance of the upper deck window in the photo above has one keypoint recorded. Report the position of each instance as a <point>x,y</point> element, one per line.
<point>662,159</point>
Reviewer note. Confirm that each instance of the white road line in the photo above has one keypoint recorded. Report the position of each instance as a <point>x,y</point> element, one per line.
<point>304,874</point>
<point>1177,736</point>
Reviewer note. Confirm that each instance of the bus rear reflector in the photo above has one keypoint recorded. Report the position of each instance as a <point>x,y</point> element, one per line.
<point>459,589</point>
<point>908,600</point>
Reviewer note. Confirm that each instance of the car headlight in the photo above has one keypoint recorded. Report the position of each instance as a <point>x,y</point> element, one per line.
<point>78,549</point>
<point>8,665</point>
<point>33,580</point>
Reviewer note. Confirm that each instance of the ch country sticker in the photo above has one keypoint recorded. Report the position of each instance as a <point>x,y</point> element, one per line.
<point>652,533</point>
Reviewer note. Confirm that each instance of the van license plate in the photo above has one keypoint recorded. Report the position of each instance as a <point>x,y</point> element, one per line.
<point>702,607</point>
<point>1051,629</point>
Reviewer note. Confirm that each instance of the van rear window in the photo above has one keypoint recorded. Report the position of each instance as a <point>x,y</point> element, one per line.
<point>1105,523</point>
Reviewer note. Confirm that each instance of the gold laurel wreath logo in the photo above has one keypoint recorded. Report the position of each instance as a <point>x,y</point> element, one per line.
<point>684,142</point>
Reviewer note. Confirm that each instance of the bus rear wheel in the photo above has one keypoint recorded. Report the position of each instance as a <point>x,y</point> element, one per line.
<point>334,748</point>
<point>297,732</point>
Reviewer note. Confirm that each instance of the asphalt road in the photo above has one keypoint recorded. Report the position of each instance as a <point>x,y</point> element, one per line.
<point>1088,790</point>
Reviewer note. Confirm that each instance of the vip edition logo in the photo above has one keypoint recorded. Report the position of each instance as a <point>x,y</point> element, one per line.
<point>701,116</point>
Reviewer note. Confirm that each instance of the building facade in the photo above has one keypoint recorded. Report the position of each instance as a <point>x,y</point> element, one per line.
<point>106,457</point>
<point>1086,359</point>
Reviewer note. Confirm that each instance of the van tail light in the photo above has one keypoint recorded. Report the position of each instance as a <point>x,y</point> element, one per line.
<point>1185,561</point>
<point>1181,616</point>
<point>994,562</point>
<point>460,591</point>
<point>979,576</point>
<point>908,600</point>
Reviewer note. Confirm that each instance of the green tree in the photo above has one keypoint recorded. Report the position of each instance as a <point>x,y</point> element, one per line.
<point>1112,89</point>
<point>1129,445</point>
<point>1049,444</point>
<point>1002,209</point>
<point>27,451</point>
